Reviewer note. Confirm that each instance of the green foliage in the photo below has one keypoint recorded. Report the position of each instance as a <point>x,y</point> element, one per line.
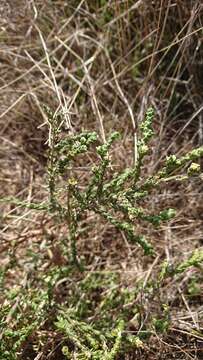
<point>161,324</point>
<point>88,342</point>
<point>119,200</point>
<point>194,288</point>
<point>115,200</point>
<point>194,260</point>
<point>21,315</point>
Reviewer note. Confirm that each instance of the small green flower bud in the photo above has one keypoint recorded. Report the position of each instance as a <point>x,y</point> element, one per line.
<point>72,182</point>
<point>193,169</point>
<point>143,149</point>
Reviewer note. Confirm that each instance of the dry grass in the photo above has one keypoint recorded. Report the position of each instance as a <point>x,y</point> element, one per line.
<point>103,63</point>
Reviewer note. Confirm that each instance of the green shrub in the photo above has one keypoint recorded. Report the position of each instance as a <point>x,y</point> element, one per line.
<point>116,199</point>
